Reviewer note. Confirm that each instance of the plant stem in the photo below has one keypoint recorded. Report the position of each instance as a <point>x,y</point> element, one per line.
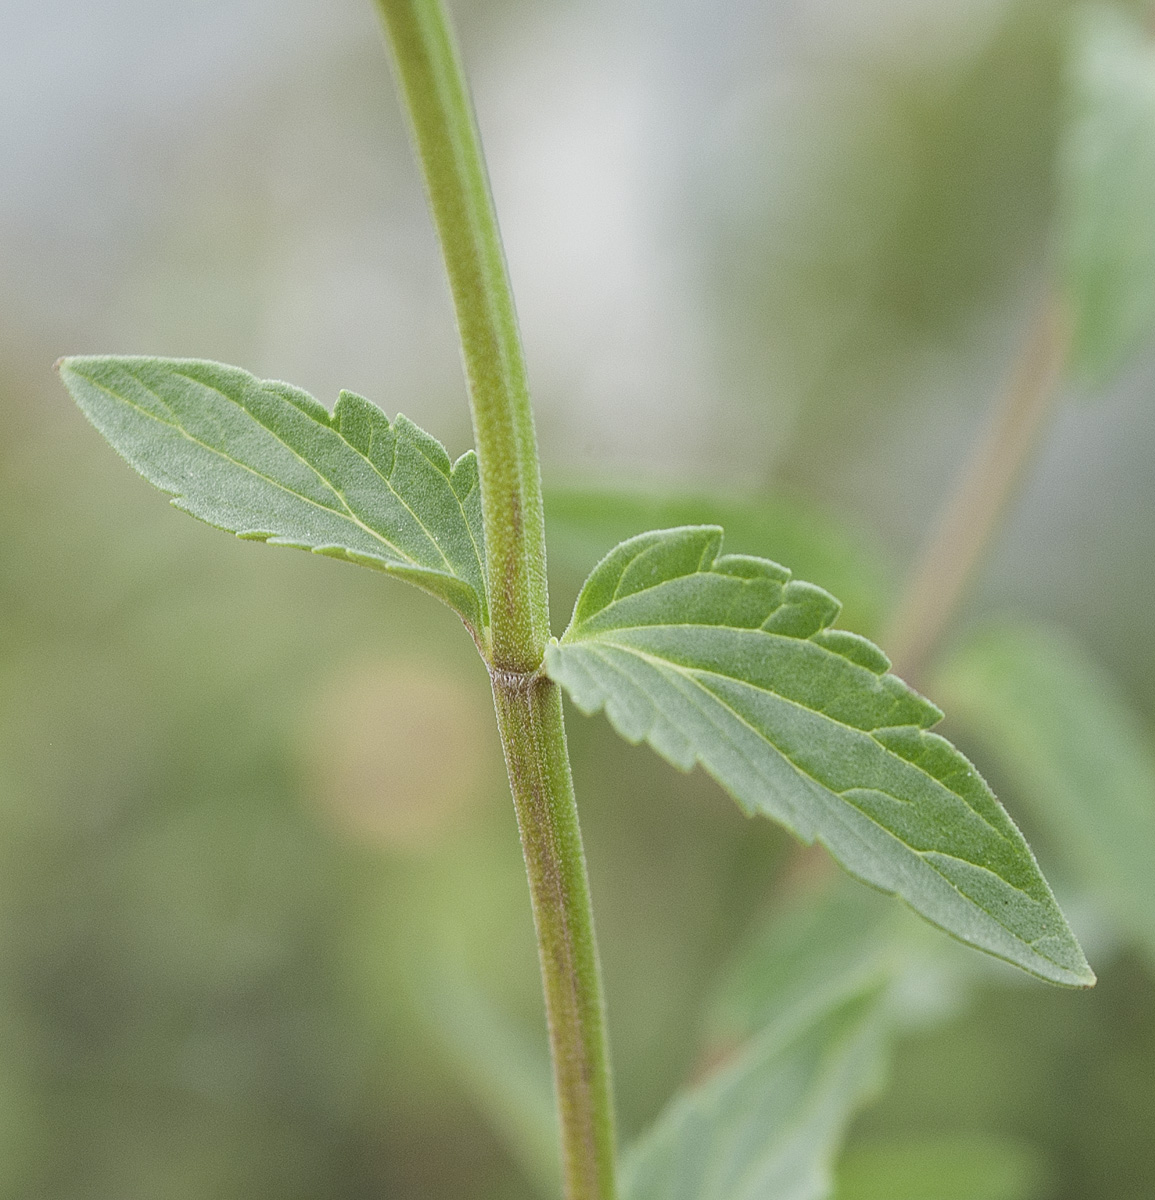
<point>529,714</point>
<point>434,91</point>
<point>987,482</point>
<point>529,709</point>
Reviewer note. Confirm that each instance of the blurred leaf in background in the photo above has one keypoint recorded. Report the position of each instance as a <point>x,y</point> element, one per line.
<point>1106,234</point>
<point>767,1123</point>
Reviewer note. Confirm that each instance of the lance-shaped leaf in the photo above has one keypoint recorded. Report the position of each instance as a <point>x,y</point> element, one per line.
<point>768,1125</point>
<point>266,461</point>
<point>729,662</point>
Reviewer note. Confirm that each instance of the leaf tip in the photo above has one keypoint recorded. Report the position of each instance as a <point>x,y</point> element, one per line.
<point>68,365</point>
<point>1072,968</point>
<point>1080,978</point>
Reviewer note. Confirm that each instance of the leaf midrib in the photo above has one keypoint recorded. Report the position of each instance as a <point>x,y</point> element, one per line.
<point>305,463</point>
<point>409,560</point>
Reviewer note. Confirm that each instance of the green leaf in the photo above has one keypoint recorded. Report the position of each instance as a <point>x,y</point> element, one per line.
<point>1074,750</point>
<point>729,662</point>
<point>585,523</point>
<point>1107,192</point>
<point>974,1167</point>
<point>266,461</point>
<point>768,1124</point>
<point>820,949</point>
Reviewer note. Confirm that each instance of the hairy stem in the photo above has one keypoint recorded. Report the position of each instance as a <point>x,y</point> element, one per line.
<point>987,482</point>
<point>433,88</point>
<point>529,709</point>
<point>529,713</point>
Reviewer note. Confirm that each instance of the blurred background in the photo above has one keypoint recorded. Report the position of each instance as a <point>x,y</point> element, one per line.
<point>261,898</point>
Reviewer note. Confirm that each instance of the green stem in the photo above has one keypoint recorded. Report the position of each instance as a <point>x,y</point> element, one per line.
<point>529,714</point>
<point>529,710</point>
<point>433,87</point>
<point>947,565</point>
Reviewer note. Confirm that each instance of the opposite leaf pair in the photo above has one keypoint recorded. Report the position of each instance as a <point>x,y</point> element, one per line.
<point>722,660</point>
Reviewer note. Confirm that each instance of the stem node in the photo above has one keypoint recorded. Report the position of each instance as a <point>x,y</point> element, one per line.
<point>528,703</point>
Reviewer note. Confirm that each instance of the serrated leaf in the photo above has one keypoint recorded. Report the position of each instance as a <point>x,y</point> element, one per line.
<point>729,662</point>
<point>767,1126</point>
<point>972,1167</point>
<point>266,461</point>
<point>1107,192</point>
<point>1074,750</point>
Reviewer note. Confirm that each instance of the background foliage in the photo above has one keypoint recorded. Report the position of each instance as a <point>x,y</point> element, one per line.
<point>772,261</point>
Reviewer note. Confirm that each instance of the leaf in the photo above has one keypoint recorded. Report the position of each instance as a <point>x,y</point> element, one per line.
<point>266,461</point>
<point>767,1126</point>
<point>729,662</point>
<point>1074,750</point>
<point>823,949</point>
<point>972,1167</point>
<point>1107,192</point>
<point>818,950</point>
<point>584,523</point>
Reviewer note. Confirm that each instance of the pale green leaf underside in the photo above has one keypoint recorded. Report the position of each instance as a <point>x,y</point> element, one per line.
<point>729,662</point>
<point>767,1126</point>
<point>1107,192</point>
<point>266,461</point>
<point>1074,750</point>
